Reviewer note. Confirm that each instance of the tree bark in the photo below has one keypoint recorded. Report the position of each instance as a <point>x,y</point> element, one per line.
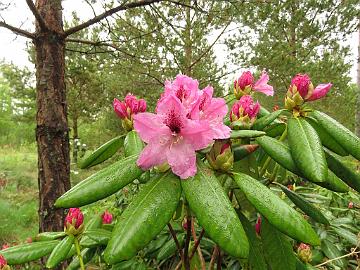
<point>75,139</point>
<point>52,132</point>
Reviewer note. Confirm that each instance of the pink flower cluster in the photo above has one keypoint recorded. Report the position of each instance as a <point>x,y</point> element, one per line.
<point>244,107</point>
<point>245,84</point>
<point>107,217</point>
<point>303,84</point>
<point>74,218</point>
<point>187,119</point>
<point>130,106</point>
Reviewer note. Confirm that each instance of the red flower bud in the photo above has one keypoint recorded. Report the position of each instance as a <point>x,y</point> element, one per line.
<point>258,225</point>
<point>3,262</point>
<point>351,205</point>
<point>130,106</point>
<point>74,218</point>
<point>244,107</point>
<point>107,217</point>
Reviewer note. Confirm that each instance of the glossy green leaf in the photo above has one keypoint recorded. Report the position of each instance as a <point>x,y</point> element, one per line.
<point>101,184</point>
<point>348,140</point>
<point>256,252</point>
<point>28,252</point>
<point>170,248</point>
<point>95,237</point>
<point>305,206</point>
<point>103,153</point>
<point>326,139</point>
<point>94,223</point>
<point>133,145</point>
<point>47,236</point>
<point>342,171</point>
<point>60,252</point>
<point>334,183</point>
<point>87,254</point>
<point>277,248</point>
<point>332,252</point>
<point>242,151</point>
<point>148,213</point>
<point>246,133</point>
<point>347,235</point>
<point>275,130</point>
<point>306,150</point>
<point>263,122</point>
<point>214,212</point>
<point>277,212</point>
<point>278,151</point>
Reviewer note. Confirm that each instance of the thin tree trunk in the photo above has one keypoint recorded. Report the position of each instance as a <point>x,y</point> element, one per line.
<point>188,42</point>
<point>52,133</point>
<point>357,112</point>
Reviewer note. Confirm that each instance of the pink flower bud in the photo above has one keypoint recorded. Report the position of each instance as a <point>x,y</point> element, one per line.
<point>302,83</point>
<point>244,107</point>
<point>107,217</point>
<point>29,240</point>
<point>3,262</point>
<point>74,218</point>
<point>129,107</point>
<point>258,225</point>
<point>351,205</point>
<point>246,79</point>
<point>245,84</point>
<point>303,246</point>
<point>5,246</point>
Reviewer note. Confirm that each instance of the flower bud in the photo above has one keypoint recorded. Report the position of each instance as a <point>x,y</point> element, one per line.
<point>351,205</point>
<point>245,85</point>
<point>107,217</point>
<point>5,246</point>
<point>128,108</point>
<point>3,263</point>
<point>244,112</point>
<point>74,221</point>
<point>304,253</point>
<point>258,225</point>
<point>220,156</point>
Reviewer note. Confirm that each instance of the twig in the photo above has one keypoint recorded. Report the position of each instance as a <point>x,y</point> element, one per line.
<point>37,15</point>
<point>17,30</point>
<point>173,234</point>
<point>187,242</point>
<point>219,260</point>
<point>197,243</point>
<point>107,13</point>
<point>338,258</point>
<point>201,257</point>
<point>213,257</point>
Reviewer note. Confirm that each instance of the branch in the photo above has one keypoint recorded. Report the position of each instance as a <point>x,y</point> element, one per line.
<point>37,15</point>
<point>178,246</point>
<point>17,30</point>
<point>109,13</point>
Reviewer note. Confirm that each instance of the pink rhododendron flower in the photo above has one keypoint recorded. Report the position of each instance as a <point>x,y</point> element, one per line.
<point>245,84</point>
<point>3,262</point>
<point>245,107</point>
<point>107,217</point>
<point>74,218</point>
<point>258,225</point>
<point>187,119</point>
<point>130,106</point>
<point>303,84</point>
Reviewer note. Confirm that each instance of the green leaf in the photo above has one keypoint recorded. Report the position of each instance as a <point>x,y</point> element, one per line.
<point>133,145</point>
<point>28,252</point>
<point>305,206</point>
<point>263,122</point>
<point>170,248</point>
<point>256,252</point>
<point>60,252</point>
<point>242,151</point>
<point>275,130</point>
<point>47,236</point>
<point>103,153</point>
<point>95,237</point>
<point>101,184</point>
<point>277,212</point>
<point>214,212</point>
<point>332,252</point>
<point>148,213</point>
<point>278,249</point>
<point>246,133</point>
<point>334,183</point>
<point>348,140</point>
<point>306,150</point>
<point>347,235</point>
<point>326,139</point>
<point>343,171</point>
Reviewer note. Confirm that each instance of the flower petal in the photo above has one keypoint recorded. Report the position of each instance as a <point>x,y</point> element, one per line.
<point>320,91</point>
<point>149,126</point>
<point>197,133</point>
<point>182,159</point>
<point>153,154</point>
<point>262,85</point>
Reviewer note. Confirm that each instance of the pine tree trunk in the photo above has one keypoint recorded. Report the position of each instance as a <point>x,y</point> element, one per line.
<point>75,139</point>
<point>52,133</point>
<point>357,112</point>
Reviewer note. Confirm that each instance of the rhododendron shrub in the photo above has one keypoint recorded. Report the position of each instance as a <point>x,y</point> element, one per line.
<point>209,173</point>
